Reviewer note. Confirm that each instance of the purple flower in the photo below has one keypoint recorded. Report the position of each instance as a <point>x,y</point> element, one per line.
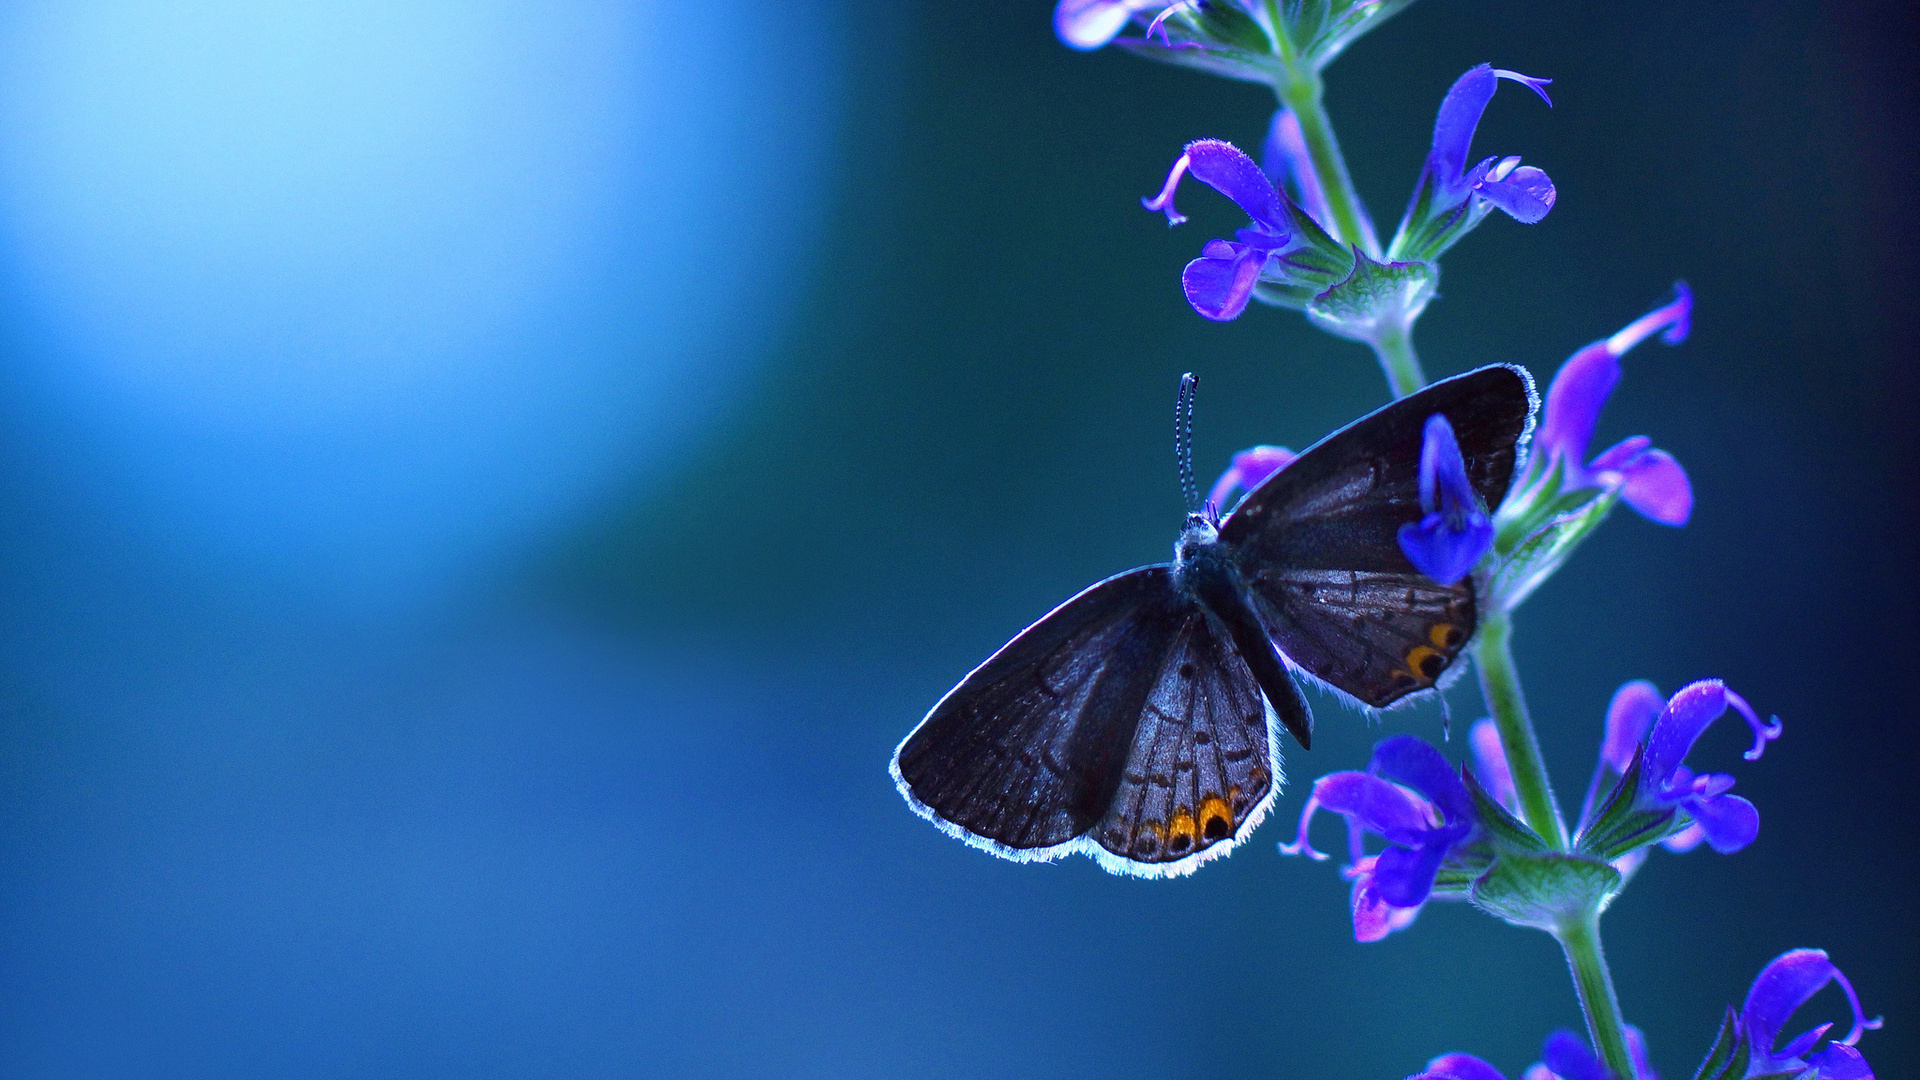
<point>1451,198</point>
<point>1458,1067</point>
<point>1782,987</point>
<point>1411,798</point>
<point>1447,542</point>
<point>1567,1058</point>
<point>1649,480</point>
<point>1494,774</point>
<point>1727,822</point>
<point>1089,24</point>
<point>1222,280</point>
<point>1249,470</point>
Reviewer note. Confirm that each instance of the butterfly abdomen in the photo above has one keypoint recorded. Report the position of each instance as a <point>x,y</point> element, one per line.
<point>1204,569</point>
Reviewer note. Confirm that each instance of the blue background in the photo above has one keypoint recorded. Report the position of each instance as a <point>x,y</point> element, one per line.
<point>488,485</point>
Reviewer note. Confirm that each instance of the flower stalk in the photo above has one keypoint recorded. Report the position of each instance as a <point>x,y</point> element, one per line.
<point>1300,90</point>
<point>1607,1029</point>
<point>1500,684</point>
<point>1394,347</point>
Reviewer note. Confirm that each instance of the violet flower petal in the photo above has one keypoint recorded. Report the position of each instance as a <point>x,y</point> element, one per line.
<point>1220,282</point>
<point>1727,822</point>
<point>1404,876</point>
<point>1785,984</point>
<point>1232,173</point>
<point>1629,715</point>
<point>1525,193</point>
<point>1460,113</point>
<point>1579,389</point>
<point>1637,1052</point>
<point>1655,484</point>
<point>1372,916</point>
<point>1674,319</point>
<point>1449,540</point>
<point>1414,763</point>
<point>1458,1067</point>
<point>1442,552</point>
<point>1839,1062</point>
<point>1686,715</point>
<point>1089,24</point>
<point>1659,487</point>
<point>1569,1058</point>
<point>1377,805</point>
<point>1495,775</point>
<point>1683,841</point>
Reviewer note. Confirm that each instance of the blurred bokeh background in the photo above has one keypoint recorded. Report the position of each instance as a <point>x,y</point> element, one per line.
<point>485,486</point>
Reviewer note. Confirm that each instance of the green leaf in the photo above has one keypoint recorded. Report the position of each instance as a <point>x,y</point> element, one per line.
<point>1243,64</point>
<point>1224,25</point>
<point>1545,891</point>
<point>1372,295</point>
<point>1536,557</point>
<point>1321,29</point>
<point>1506,830</point>
<point>1728,1058</point>
<point>1617,827</point>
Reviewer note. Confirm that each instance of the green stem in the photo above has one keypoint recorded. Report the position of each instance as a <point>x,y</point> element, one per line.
<point>1299,89</point>
<point>1394,347</point>
<point>1500,684</point>
<point>1302,94</point>
<point>1591,981</point>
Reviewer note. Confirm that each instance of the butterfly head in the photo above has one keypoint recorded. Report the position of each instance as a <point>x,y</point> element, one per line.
<point>1202,532</point>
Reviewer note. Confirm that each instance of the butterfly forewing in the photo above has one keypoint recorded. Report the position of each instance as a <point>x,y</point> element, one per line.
<point>1318,542</point>
<point>1200,772</point>
<point>1027,752</point>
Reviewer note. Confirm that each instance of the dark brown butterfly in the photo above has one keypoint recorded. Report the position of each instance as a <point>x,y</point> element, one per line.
<point>1136,721</point>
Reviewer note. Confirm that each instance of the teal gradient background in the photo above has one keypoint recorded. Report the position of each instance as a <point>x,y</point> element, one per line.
<point>488,486</point>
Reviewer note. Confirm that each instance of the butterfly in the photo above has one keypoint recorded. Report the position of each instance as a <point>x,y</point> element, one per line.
<point>1138,721</point>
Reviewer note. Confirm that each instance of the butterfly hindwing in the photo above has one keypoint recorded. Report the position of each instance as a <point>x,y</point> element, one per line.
<point>1378,635</point>
<point>1026,753</point>
<point>1201,771</point>
<point>1318,542</point>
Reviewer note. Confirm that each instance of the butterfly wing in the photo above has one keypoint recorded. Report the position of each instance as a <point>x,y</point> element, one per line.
<point>1121,724</point>
<point>1202,768</point>
<point>1026,753</point>
<point>1318,542</point>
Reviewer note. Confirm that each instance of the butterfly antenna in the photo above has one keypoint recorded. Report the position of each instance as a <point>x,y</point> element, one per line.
<point>1183,440</point>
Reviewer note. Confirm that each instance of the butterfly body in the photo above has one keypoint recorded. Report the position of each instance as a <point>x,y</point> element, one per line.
<point>1138,722</point>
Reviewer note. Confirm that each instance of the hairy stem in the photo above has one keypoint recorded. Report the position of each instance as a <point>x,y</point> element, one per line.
<point>1394,347</point>
<point>1591,981</point>
<point>1302,94</point>
<point>1500,685</point>
<point>1299,89</point>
